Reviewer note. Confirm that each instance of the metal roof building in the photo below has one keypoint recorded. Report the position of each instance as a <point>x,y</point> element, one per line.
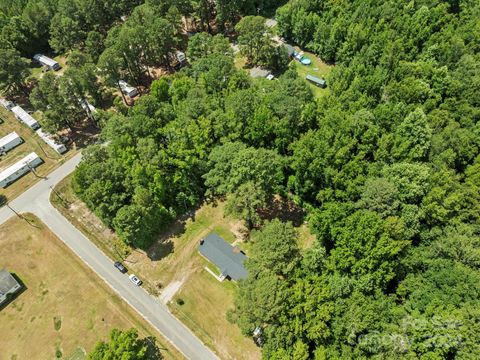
<point>316,81</point>
<point>19,169</point>
<point>128,90</point>
<point>25,117</point>
<point>48,139</point>
<point>8,285</point>
<point>229,259</point>
<point>9,141</point>
<point>46,61</point>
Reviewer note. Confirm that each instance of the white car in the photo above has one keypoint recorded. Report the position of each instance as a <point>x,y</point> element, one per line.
<point>135,280</point>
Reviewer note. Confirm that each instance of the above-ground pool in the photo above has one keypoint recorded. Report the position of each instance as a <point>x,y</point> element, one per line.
<point>305,61</point>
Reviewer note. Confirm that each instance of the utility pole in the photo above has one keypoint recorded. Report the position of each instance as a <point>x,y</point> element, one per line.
<point>65,203</point>
<point>22,217</point>
<point>32,169</point>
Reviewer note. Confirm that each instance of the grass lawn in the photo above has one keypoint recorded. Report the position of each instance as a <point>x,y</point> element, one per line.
<point>206,301</point>
<point>65,308</point>
<point>317,68</point>
<point>32,142</point>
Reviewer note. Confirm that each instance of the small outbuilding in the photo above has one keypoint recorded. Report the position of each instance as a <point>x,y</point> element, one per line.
<point>25,117</point>
<point>20,168</point>
<point>229,259</point>
<point>317,81</point>
<point>8,286</point>
<point>10,141</point>
<point>128,90</point>
<point>47,62</point>
<point>50,141</point>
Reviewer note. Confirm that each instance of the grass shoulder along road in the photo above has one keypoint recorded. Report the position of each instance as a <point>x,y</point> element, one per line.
<point>66,308</point>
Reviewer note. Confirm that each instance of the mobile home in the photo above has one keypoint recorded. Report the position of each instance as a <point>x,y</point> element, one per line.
<point>25,117</point>
<point>17,170</point>
<point>46,61</point>
<point>8,142</point>
<point>50,141</point>
<point>6,104</point>
<point>128,90</point>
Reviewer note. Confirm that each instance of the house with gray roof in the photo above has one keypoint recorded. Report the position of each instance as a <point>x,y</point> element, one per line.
<point>8,285</point>
<point>229,259</point>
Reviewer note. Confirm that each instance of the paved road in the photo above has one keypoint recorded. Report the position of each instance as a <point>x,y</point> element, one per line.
<point>36,200</point>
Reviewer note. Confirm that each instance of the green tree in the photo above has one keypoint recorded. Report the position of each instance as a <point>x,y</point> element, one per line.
<point>13,71</point>
<point>275,249</point>
<point>246,201</point>
<point>125,345</point>
<point>255,41</point>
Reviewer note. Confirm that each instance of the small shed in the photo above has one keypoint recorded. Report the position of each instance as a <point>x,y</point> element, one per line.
<point>20,168</point>
<point>258,72</point>
<point>10,141</point>
<point>8,285</point>
<point>128,90</point>
<point>48,62</point>
<point>229,259</point>
<point>25,117</point>
<point>50,141</point>
<point>317,81</point>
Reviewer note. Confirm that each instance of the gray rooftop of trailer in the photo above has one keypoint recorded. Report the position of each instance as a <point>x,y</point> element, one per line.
<point>7,282</point>
<point>315,79</point>
<point>229,259</point>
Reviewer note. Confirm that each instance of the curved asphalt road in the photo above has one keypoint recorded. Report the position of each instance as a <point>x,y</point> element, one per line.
<point>36,200</point>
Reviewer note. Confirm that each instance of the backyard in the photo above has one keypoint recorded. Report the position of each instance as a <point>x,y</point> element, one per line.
<point>65,308</point>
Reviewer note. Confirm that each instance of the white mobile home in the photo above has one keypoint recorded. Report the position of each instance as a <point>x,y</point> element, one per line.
<point>17,170</point>
<point>8,142</point>
<point>46,61</point>
<point>6,104</point>
<point>128,90</point>
<point>58,147</point>
<point>25,117</point>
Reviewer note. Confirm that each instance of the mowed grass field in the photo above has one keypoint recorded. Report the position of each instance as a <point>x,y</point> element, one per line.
<point>317,68</point>
<point>66,308</point>
<point>32,142</point>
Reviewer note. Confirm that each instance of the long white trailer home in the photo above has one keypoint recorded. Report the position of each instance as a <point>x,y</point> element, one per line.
<point>46,61</point>
<point>128,90</point>
<point>25,117</point>
<point>9,141</point>
<point>7,104</point>
<point>50,141</point>
<point>17,170</point>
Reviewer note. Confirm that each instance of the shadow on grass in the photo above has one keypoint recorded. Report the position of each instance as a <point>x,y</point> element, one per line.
<point>285,210</point>
<point>12,297</point>
<point>164,246</point>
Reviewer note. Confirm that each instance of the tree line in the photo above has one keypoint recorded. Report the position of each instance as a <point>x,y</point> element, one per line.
<point>386,166</point>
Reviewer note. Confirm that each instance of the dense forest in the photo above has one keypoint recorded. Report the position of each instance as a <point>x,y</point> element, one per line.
<point>386,165</point>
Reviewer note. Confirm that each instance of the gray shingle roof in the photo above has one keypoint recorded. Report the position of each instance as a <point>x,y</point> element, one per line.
<point>227,258</point>
<point>8,284</point>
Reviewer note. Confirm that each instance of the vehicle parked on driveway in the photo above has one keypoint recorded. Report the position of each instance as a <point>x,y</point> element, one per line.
<point>120,267</point>
<point>135,280</point>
